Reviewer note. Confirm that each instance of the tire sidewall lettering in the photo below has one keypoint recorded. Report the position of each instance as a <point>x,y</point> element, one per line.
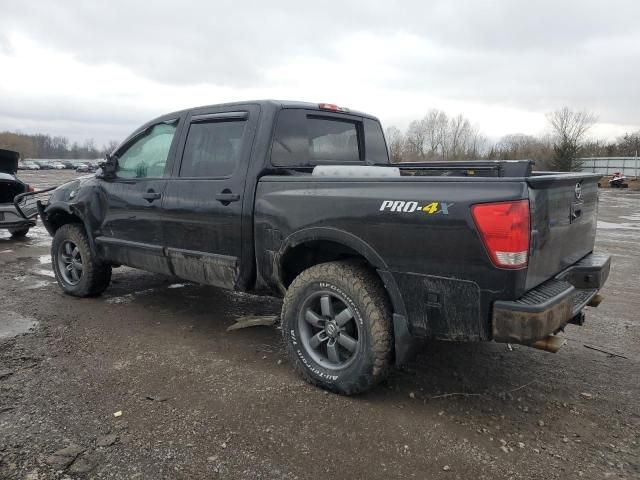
<point>310,365</point>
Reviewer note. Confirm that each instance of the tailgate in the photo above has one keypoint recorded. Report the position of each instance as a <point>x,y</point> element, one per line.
<point>563,210</point>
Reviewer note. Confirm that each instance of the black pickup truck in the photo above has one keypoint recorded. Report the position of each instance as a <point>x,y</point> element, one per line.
<point>300,200</point>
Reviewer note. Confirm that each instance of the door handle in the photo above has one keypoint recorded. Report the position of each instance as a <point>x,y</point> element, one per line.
<point>150,196</point>
<point>226,197</point>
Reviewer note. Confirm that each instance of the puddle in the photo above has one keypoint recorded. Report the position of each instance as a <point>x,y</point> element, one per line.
<point>46,273</point>
<point>13,324</point>
<point>38,284</point>
<point>120,300</point>
<point>617,226</point>
<point>37,236</point>
<point>129,297</point>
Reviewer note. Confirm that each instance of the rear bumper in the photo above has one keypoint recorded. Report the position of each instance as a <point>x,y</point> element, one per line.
<point>10,218</point>
<point>544,310</point>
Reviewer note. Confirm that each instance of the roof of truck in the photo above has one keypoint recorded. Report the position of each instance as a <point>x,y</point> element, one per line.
<point>265,104</point>
<point>279,104</point>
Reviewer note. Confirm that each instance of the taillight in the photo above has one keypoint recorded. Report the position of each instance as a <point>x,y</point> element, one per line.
<point>504,228</point>
<point>333,107</point>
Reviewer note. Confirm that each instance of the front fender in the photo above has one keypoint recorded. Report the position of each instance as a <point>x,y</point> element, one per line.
<point>50,210</point>
<point>69,211</point>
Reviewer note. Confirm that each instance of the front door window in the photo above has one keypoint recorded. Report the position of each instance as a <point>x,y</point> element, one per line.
<point>147,156</point>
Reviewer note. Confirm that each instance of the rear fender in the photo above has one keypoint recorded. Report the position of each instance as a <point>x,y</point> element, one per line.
<point>405,342</point>
<point>332,235</point>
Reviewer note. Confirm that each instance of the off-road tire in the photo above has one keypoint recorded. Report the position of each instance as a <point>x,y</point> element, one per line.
<point>96,275</point>
<point>366,296</point>
<point>19,232</point>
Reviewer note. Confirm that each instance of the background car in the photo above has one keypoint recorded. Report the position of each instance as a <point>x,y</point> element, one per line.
<point>29,166</point>
<point>11,218</point>
<point>44,165</point>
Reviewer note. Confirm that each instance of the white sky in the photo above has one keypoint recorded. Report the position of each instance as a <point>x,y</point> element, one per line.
<point>99,69</point>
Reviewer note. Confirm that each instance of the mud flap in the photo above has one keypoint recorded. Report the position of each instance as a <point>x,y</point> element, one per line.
<point>405,344</point>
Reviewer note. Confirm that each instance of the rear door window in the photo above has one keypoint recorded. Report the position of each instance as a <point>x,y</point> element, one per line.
<point>212,148</point>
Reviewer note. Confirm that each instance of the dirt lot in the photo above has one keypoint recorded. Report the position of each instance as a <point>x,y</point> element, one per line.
<point>199,402</point>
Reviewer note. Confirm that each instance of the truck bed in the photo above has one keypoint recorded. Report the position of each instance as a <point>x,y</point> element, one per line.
<point>436,259</point>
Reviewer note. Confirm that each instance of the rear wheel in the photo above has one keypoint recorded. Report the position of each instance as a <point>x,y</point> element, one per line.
<point>336,322</point>
<point>19,232</point>
<point>77,270</point>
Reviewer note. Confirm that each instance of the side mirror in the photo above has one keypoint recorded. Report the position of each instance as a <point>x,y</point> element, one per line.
<point>108,168</point>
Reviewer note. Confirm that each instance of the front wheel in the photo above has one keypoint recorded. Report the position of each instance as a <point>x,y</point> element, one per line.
<point>336,322</point>
<point>77,270</point>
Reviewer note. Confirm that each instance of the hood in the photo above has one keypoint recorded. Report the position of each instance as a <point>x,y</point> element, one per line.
<point>9,161</point>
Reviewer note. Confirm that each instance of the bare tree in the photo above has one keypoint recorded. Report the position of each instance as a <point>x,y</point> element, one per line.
<point>440,137</point>
<point>415,141</point>
<point>433,123</point>
<point>629,144</point>
<point>110,146</point>
<point>478,143</point>
<point>459,130</point>
<point>518,146</point>
<point>395,143</point>
<point>569,128</point>
<point>442,126</point>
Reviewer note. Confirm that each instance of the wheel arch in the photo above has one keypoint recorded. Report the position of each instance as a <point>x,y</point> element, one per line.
<point>311,246</point>
<point>61,213</point>
<point>328,241</point>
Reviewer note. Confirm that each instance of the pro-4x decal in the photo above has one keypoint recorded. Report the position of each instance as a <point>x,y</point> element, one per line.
<point>403,206</point>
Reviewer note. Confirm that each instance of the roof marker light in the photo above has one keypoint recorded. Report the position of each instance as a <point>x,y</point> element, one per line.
<point>332,107</point>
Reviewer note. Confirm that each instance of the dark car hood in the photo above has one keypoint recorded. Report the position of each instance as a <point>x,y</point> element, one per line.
<point>9,161</point>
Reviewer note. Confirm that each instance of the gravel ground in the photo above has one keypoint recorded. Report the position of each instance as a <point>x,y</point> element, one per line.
<point>145,382</point>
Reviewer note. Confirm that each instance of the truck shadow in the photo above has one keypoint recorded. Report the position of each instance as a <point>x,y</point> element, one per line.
<point>474,372</point>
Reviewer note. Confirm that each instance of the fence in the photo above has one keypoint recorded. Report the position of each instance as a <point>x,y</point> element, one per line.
<point>630,166</point>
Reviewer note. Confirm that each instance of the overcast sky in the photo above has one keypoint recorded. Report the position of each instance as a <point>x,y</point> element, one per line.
<point>100,68</point>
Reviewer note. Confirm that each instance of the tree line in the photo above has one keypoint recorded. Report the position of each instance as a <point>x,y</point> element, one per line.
<point>41,145</point>
<point>438,136</point>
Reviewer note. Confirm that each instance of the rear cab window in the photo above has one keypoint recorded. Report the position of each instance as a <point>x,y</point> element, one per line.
<point>306,138</point>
